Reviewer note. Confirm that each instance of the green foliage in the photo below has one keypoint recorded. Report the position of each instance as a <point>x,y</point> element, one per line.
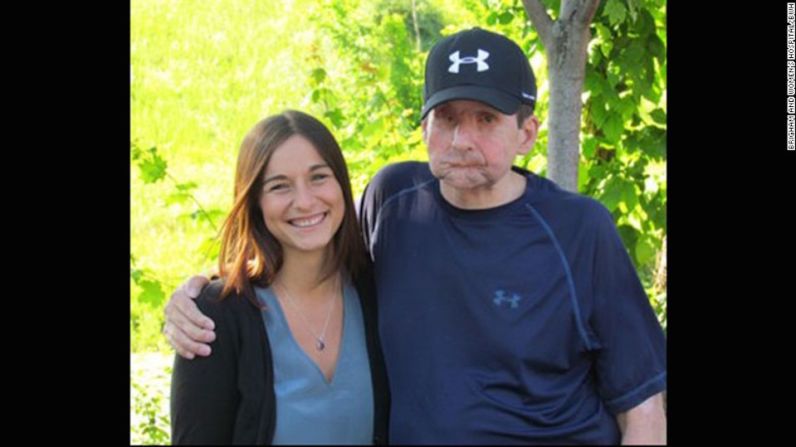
<point>624,123</point>
<point>615,10</point>
<point>152,166</point>
<point>153,427</point>
<point>148,289</point>
<point>146,319</point>
<point>149,399</point>
<point>370,93</point>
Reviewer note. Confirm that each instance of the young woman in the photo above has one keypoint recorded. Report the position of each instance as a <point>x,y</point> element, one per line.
<point>296,359</point>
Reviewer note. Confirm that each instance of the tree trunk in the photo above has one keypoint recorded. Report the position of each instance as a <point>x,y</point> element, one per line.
<point>566,42</point>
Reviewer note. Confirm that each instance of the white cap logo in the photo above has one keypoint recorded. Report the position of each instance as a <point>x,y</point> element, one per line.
<point>482,56</point>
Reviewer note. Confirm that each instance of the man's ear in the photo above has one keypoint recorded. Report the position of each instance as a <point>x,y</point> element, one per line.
<point>424,127</point>
<point>527,134</point>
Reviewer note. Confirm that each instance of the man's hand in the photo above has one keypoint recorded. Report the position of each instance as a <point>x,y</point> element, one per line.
<point>187,329</point>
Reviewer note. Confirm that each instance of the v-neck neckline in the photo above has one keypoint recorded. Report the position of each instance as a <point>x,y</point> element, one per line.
<point>296,346</point>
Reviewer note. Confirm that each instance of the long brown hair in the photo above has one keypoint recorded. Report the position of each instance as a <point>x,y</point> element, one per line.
<point>250,255</point>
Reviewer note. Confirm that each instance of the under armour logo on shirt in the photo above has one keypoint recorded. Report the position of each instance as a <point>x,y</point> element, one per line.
<point>500,297</point>
<point>482,56</point>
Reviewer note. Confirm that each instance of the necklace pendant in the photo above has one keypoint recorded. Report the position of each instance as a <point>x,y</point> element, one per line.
<point>320,345</point>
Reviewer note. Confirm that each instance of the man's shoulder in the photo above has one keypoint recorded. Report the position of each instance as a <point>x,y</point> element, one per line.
<point>394,179</point>
<point>399,176</point>
<point>550,197</point>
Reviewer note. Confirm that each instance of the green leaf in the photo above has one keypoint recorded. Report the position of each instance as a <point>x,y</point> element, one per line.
<point>654,142</point>
<point>628,234</point>
<point>589,144</point>
<point>606,39</point>
<point>583,174</point>
<point>336,117</point>
<point>629,196</point>
<point>593,82</point>
<point>644,250</point>
<point>505,18</point>
<point>615,11</point>
<point>177,197</point>
<point>659,116</point>
<point>612,194</point>
<point>151,293</point>
<point>613,78</point>
<point>627,106</point>
<point>597,171</point>
<point>613,127</point>
<point>182,194</point>
<point>597,111</point>
<point>632,9</point>
<point>318,75</point>
<point>186,187</point>
<point>152,167</point>
<point>656,48</point>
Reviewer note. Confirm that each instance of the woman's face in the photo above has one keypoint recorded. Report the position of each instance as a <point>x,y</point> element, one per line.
<point>301,201</point>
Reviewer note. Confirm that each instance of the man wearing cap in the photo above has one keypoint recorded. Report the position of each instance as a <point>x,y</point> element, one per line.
<point>509,311</point>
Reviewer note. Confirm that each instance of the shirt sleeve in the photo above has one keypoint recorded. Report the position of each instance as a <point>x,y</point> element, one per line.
<point>203,390</point>
<point>631,354</point>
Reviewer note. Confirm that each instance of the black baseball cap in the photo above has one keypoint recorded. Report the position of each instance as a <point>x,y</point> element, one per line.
<point>479,65</point>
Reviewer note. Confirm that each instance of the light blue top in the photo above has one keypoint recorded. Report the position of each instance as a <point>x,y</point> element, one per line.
<point>310,410</point>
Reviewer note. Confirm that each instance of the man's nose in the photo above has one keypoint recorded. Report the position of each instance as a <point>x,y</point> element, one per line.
<point>463,135</point>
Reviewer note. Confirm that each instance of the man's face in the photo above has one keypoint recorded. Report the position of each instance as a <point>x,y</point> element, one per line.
<point>472,145</point>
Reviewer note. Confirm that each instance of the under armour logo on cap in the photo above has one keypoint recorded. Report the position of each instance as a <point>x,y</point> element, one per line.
<point>499,73</point>
<point>482,56</point>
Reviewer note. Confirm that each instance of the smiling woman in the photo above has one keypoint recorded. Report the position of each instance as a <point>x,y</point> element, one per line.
<point>293,309</point>
<point>302,202</point>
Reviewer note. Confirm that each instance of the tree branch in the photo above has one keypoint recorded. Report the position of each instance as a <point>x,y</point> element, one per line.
<point>568,8</point>
<point>579,11</point>
<point>586,13</point>
<point>582,11</point>
<point>417,28</point>
<point>541,20</point>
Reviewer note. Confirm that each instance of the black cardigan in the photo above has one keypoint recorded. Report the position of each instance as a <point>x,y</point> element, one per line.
<point>228,397</point>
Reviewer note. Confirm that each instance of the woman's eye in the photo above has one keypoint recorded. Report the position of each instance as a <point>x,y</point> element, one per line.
<point>319,177</point>
<point>278,187</point>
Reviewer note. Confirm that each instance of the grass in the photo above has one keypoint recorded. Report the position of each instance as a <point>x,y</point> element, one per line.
<point>203,73</point>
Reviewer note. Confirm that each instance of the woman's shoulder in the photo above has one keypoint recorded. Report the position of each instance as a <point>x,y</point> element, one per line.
<point>210,301</point>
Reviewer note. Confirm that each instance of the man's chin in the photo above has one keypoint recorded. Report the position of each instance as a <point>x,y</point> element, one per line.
<point>463,180</point>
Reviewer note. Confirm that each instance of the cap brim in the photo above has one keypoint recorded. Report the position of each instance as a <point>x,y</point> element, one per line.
<point>494,98</point>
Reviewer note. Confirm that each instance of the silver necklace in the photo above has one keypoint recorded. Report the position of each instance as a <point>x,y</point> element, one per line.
<point>320,343</point>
